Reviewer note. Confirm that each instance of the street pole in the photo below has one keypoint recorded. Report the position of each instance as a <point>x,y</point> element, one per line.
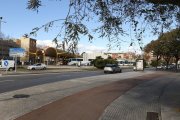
<point>15,63</point>
<point>0,37</point>
<point>0,24</point>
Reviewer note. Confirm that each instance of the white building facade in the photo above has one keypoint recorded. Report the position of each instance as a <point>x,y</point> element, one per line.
<point>92,56</point>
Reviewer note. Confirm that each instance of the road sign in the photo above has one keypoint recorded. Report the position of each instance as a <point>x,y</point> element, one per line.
<point>16,52</point>
<point>6,63</point>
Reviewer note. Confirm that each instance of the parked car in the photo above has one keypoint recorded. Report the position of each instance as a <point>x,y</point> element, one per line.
<point>171,66</point>
<point>161,67</point>
<point>38,66</point>
<point>164,67</point>
<point>112,68</point>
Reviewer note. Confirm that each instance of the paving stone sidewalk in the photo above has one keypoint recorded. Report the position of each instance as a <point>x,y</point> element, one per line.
<point>159,97</point>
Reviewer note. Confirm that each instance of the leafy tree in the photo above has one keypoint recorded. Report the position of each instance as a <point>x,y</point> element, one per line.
<point>110,61</point>
<point>172,47</point>
<point>98,58</point>
<point>109,57</point>
<point>175,35</point>
<point>167,46</point>
<point>100,63</point>
<point>154,63</point>
<point>112,15</point>
<point>155,47</point>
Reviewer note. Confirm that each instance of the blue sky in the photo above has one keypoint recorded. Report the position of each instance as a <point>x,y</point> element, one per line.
<point>20,20</point>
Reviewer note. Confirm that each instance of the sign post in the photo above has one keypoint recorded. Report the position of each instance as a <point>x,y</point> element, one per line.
<point>6,64</point>
<point>15,63</point>
<point>16,52</point>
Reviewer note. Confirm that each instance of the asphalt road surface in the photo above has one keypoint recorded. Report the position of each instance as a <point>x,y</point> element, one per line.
<point>15,82</point>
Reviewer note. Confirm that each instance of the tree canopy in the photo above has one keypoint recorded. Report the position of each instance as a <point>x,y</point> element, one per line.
<point>167,46</point>
<point>157,15</point>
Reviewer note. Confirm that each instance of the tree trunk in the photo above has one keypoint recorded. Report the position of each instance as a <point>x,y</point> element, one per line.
<point>167,62</point>
<point>157,60</point>
<point>177,59</point>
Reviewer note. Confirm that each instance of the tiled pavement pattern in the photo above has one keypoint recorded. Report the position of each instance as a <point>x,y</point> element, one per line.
<point>161,95</point>
<point>170,101</point>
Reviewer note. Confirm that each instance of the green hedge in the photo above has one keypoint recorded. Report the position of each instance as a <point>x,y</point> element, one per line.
<point>100,63</point>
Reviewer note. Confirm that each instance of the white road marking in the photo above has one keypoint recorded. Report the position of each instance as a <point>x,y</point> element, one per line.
<point>6,81</point>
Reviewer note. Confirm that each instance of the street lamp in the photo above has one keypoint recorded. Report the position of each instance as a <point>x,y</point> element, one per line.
<point>0,23</point>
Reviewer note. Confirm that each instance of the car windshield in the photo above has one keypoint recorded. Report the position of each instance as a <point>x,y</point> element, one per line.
<point>35,64</point>
<point>110,65</point>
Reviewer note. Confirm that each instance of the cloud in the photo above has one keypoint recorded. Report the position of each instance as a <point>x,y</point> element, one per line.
<point>45,43</point>
<point>81,47</point>
<point>90,48</point>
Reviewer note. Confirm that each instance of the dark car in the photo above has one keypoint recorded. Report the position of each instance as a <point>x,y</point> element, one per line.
<point>112,68</point>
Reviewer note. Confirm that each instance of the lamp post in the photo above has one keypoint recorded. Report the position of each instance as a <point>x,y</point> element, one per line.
<point>1,35</point>
<point>1,23</point>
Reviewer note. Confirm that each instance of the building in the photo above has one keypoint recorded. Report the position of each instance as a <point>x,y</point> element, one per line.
<point>149,57</point>
<point>47,55</point>
<point>125,56</point>
<point>29,45</point>
<point>5,45</point>
<point>92,56</point>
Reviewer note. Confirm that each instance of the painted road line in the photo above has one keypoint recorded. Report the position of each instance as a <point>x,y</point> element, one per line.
<point>6,81</point>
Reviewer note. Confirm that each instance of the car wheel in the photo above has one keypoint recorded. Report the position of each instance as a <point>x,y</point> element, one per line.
<point>33,69</point>
<point>105,72</point>
<point>44,68</point>
<point>10,69</point>
<point>120,71</point>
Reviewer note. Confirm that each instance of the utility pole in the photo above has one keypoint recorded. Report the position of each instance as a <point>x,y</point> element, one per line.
<point>1,23</point>
<point>1,36</point>
<point>0,26</point>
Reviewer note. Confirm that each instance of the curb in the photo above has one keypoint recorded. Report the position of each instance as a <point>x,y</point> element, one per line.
<point>23,73</point>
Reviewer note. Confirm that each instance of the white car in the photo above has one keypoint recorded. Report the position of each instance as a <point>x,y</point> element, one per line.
<point>38,66</point>
<point>112,68</point>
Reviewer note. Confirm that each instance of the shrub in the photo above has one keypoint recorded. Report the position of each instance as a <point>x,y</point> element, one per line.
<point>99,63</point>
<point>154,63</point>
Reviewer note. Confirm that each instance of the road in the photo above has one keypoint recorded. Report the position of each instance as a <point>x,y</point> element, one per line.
<point>137,95</point>
<point>15,82</point>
